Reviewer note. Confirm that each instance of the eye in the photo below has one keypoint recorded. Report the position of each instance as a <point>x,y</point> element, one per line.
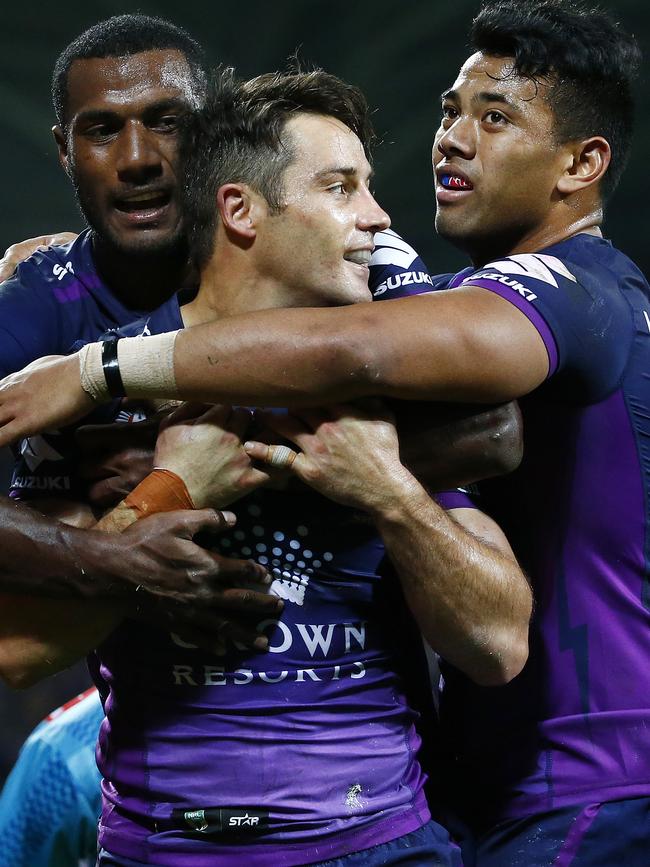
<point>100,132</point>
<point>166,123</point>
<point>495,117</point>
<point>449,112</point>
<point>339,188</point>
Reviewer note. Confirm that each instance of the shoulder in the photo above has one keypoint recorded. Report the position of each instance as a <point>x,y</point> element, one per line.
<point>46,270</point>
<point>70,726</point>
<point>396,268</point>
<point>574,294</point>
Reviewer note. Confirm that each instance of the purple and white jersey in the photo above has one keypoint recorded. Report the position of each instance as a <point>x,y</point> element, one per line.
<point>301,754</point>
<point>55,300</point>
<point>574,727</point>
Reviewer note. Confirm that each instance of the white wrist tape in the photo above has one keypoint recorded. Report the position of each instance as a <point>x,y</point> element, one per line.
<point>93,380</point>
<point>147,365</point>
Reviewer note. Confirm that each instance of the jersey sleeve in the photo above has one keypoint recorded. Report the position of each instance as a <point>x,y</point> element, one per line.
<point>29,324</point>
<point>586,329</point>
<point>460,498</point>
<point>396,270</point>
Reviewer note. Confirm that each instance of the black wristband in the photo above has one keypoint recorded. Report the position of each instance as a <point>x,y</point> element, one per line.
<point>111,368</point>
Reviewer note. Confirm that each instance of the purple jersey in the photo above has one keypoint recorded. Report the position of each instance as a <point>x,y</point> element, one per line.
<point>574,727</point>
<point>55,300</point>
<point>305,753</point>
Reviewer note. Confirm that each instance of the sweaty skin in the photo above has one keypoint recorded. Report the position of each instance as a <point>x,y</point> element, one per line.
<point>467,344</point>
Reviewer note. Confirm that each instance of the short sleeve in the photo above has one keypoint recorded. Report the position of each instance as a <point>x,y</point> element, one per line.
<point>396,270</point>
<point>585,323</point>
<point>29,326</point>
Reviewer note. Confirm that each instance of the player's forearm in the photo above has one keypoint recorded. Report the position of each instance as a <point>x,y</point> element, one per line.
<point>461,345</point>
<point>40,637</point>
<point>42,556</point>
<point>471,601</point>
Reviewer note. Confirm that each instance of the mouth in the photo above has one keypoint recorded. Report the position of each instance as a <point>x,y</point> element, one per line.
<point>452,185</point>
<point>145,206</point>
<point>358,257</point>
<point>455,182</point>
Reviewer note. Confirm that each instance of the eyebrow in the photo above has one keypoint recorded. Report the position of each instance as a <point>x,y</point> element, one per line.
<point>483,97</point>
<point>98,115</point>
<point>346,171</point>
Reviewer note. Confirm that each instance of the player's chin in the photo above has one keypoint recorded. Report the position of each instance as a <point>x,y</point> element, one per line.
<point>356,289</point>
<point>150,240</point>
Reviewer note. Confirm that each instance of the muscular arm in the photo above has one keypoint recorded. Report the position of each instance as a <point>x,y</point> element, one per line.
<point>39,638</point>
<point>460,345</point>
<point>464,344</point>
<point>461,582</point>
<point>447,445</point>
<point>42,556</point>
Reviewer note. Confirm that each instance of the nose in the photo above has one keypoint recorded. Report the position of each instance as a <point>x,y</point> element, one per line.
<point>372,217</point>
<point>138,157</point>
<point>459,139</point>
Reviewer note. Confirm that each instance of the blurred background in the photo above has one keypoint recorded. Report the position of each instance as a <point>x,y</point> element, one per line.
<point>401,54</point>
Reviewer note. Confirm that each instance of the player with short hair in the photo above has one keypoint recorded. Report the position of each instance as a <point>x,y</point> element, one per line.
<point>119,145</point>
<point>549,310</point>
<point>326,705</point>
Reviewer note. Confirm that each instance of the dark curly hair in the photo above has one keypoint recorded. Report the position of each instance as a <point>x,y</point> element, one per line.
<point>589,61</point>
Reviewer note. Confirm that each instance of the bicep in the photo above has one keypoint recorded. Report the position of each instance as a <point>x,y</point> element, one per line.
<point>466,344</point>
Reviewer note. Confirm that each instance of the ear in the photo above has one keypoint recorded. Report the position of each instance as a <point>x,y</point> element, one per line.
<point>587,163</point>
<point>62,147</point>
<point>239,210</point>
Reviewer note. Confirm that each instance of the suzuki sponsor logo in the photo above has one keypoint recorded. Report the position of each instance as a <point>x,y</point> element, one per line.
<point>40,483</point>
<point>539,266</point>
<point>526,293</point>
<point>407,278</point>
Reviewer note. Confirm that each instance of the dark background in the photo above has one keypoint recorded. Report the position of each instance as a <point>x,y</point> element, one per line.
<point>401,54</point>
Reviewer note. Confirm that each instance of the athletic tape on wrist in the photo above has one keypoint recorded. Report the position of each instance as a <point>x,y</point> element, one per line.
<point>161,491</point>
<point>146,365</point>
<point>91,372</point>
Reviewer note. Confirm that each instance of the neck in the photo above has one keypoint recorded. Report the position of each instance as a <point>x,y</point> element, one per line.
<point>229,286</point>
<point>541,237</point>
<point>141,282</point>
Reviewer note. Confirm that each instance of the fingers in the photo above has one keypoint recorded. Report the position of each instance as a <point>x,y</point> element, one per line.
<point>278,457</point>
<point>287,426</point>
<point>188,523</point>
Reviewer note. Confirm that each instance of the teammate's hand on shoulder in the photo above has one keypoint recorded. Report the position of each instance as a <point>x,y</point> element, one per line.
<point>17,253</point>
